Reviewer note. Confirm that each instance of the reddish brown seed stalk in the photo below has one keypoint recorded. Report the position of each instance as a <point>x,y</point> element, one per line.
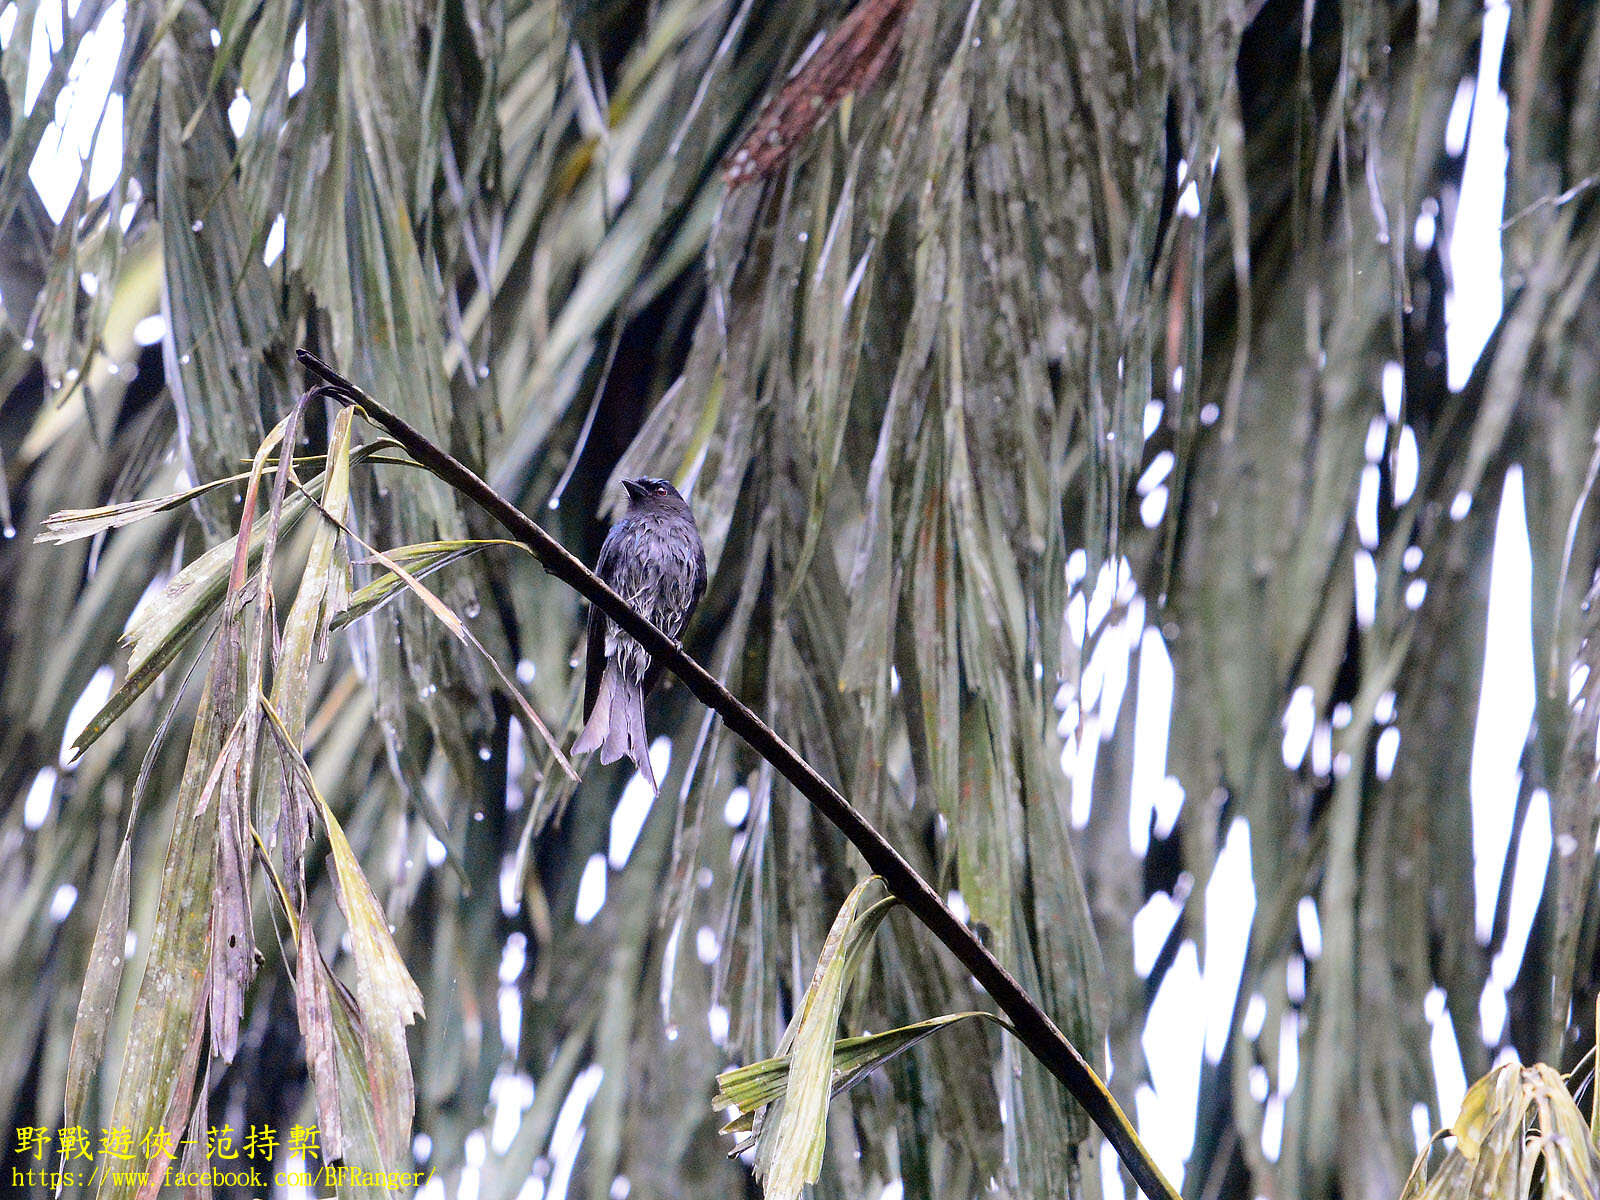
<point>849,59</point>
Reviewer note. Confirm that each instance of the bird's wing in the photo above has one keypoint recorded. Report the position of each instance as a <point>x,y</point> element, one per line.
<point>697,589</point>
<point>605,566</point>
<point>596,659</point>
<point>699,578</point>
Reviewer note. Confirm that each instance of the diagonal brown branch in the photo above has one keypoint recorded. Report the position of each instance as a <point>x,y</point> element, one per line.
<point>1033,1026</point>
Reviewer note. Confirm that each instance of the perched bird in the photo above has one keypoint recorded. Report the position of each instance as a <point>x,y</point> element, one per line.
<point>653,559</point>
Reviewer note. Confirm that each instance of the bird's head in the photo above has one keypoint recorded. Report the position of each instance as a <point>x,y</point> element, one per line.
<point>653,493</point>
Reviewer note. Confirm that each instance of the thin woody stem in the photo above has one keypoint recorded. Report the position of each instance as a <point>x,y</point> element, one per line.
<point>1032,1025</point>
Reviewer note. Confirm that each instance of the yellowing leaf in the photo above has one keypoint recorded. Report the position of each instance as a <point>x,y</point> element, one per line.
<point>789,1145</point>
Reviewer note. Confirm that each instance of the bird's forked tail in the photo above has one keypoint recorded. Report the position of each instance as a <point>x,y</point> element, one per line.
<point>616,724</point>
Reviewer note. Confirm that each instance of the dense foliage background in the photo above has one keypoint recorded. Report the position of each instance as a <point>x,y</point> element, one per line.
<point>1087,338</point>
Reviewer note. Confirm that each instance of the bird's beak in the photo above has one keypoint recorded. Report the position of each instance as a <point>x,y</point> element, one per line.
<point>635,489</point>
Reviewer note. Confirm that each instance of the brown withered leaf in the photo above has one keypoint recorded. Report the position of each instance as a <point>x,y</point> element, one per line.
<point>386,997</point>
<point>232,928</point>
<point>849,59</point>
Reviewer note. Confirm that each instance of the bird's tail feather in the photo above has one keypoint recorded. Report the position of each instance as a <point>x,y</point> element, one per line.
<point>598,724</point>
<point>616,725</point>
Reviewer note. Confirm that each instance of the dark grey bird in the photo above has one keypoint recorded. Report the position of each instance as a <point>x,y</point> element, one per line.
<point>653,559</point>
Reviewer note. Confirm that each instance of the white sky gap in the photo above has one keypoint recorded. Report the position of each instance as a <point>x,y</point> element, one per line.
<point>1505,704</point>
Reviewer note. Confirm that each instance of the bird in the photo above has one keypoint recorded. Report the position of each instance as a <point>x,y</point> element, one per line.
<point>653,558</point>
